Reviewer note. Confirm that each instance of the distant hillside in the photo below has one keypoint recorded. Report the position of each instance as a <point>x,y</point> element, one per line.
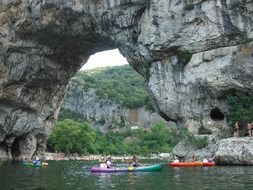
<point>109,99</point>
<point>120,84</point>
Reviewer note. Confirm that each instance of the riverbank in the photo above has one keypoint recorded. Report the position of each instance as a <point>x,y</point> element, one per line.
<point>62,156</point>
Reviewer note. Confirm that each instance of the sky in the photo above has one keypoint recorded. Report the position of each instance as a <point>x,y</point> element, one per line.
<point>104,59</point>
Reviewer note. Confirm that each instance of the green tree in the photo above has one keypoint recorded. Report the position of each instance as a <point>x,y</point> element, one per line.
<point>240,108</point>
<point>77,137</point>
<point>121,84</point>
<point>70,136</point>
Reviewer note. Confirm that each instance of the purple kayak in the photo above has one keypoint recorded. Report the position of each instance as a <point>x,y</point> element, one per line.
<point>149,168</point>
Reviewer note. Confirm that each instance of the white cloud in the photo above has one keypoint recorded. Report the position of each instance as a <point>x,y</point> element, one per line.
<point>104,59</point>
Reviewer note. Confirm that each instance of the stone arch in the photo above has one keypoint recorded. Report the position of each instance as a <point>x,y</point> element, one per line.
<point>44,43</point>
<point>47,44</point>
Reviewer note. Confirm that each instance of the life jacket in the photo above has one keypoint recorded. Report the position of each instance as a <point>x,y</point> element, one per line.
<point>134,163</point>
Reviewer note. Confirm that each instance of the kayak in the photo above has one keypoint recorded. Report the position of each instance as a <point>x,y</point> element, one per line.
<point>149,168</point>
<point>44,164</point>
<point>192,164</point>
<point>30,164</point>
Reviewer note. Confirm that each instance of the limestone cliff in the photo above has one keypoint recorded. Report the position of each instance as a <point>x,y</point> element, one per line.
<point>105,114</point>
<point>44,42</point>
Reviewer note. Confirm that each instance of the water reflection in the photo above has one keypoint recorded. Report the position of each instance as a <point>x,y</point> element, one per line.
<point>130,180</point>
<point>72,175</point>
<point>232,178</point>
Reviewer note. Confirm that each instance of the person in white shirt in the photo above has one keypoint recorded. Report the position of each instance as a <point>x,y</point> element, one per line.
<point>109,162</point>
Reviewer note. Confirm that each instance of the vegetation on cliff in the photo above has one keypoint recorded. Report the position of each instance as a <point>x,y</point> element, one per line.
<point>120,84</point>
<point>240,108</point>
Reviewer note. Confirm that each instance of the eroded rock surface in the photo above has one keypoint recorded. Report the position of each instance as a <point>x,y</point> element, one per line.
<point>44,42</point>
<point>105,114</point>
<point>236,151</point>
<point>186,150</point>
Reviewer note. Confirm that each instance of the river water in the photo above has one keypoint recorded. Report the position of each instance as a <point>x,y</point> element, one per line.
<point>75,175</point>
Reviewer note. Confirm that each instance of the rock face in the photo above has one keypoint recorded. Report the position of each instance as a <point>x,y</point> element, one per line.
<point>186,150</point>
<point>236,151</point>
<point>44,42</point>
<point>105,114</point>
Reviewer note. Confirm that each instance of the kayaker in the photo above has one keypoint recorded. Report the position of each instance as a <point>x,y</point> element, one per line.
<point>205,161</point>
<point>37,161</point>
<point>194,158</point>
<point>176,161</point>
<point>108,162</point>
<point>134,162</point>
<point>211,159</point>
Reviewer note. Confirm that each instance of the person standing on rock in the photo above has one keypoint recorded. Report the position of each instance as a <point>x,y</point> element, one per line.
<point>236,129</point>
<point>249,127</point>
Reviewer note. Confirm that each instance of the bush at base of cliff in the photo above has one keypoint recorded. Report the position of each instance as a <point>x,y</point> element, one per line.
<point>141,142</point>
<point>70,136</point>
<point>200,142</point>
<point>197,141</point>
<point>78,137</point>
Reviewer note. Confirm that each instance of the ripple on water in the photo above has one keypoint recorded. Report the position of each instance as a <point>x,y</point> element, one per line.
<point>72,175</point>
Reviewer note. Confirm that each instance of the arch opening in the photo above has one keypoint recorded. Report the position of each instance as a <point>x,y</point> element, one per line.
<point>105,59</point>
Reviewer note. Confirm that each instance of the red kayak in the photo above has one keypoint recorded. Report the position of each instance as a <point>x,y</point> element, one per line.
<point>192,164</point>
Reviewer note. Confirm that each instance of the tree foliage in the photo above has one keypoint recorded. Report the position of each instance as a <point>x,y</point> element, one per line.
<point>240,108</point>
<point>121,84</point>
<point>77,137</point>
<point>69,136</point>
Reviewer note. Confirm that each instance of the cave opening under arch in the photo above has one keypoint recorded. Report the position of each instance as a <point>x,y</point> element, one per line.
<point>216,114</point>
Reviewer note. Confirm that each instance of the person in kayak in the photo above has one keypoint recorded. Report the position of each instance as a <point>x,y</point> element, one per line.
<point>134,162</point>
<point>108,162</point>
<point>193,158</point>
<point>37,161</point>
<point>211,159</point>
